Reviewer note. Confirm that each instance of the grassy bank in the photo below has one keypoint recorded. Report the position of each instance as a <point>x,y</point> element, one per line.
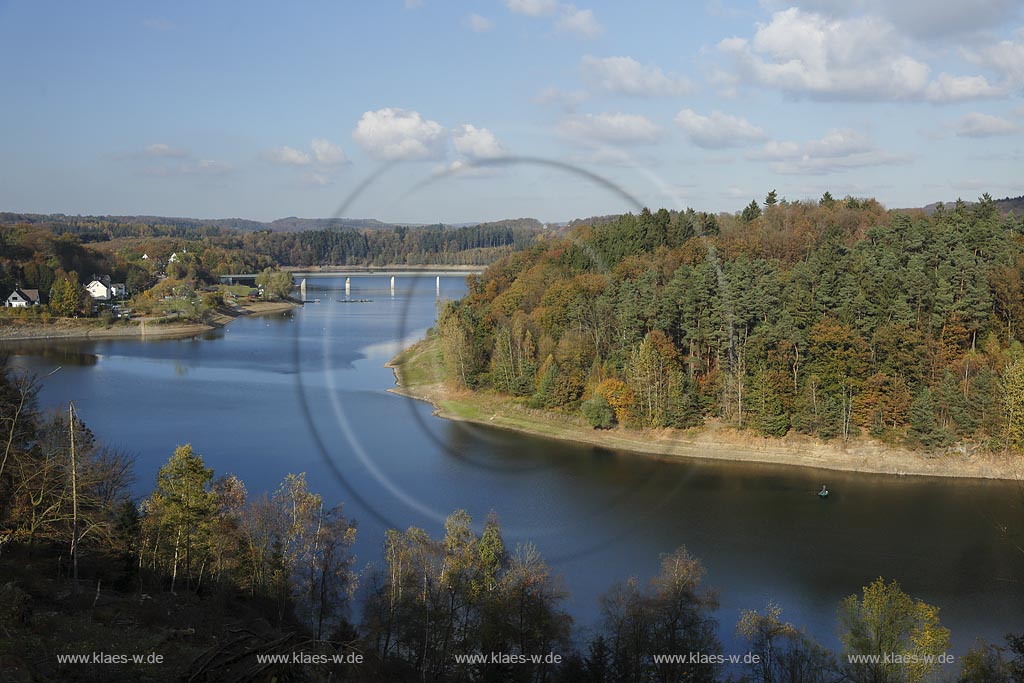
<point>14,329</point>
<point>419,374</point>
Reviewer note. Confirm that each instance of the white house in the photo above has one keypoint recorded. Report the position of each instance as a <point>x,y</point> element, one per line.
<point>22,298</point>
<point>145,257</point>
<point>99,291</point>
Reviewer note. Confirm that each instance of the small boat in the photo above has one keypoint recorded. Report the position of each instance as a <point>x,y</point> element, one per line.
<point>354,301</point>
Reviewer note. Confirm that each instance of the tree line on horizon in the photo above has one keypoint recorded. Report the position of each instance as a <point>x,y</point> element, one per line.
<point>200,559</point>
<point>833,318</point>
<point>36,254</point>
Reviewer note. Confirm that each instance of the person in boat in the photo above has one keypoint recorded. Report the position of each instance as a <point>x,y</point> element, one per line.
<point>823,492</point>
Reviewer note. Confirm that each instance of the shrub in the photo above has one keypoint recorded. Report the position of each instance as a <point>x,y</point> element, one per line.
<point>598,412</point>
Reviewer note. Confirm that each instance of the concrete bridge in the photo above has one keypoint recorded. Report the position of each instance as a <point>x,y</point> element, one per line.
<point>250,278</point>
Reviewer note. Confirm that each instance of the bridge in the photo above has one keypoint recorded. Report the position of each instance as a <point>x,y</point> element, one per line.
<point>250,278</point>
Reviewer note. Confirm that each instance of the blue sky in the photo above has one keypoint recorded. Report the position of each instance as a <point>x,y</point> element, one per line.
<point>264,110</point>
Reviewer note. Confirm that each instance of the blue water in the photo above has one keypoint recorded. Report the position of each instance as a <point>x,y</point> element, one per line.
<point>306,391</point>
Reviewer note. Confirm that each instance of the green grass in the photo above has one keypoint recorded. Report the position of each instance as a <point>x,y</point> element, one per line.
<point>421,364</point>
<point>466,411</point>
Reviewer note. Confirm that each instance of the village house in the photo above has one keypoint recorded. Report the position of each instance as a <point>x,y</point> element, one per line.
<point>101,289</point>
<point>22,298</point>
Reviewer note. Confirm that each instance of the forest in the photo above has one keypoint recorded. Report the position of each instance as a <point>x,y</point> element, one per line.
<point>39,254</point>
<point>832,318</point>
<point>215,579</point>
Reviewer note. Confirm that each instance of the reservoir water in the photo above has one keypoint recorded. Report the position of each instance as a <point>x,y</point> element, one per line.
<point>306,391</point>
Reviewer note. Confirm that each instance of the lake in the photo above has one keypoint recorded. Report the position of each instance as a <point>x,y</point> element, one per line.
<point>306,391</point>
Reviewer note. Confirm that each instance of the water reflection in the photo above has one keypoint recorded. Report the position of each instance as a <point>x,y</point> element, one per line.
<point>256,397</point>
<point>57,354</point>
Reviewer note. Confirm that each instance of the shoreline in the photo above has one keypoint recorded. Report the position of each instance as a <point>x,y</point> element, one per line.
<point>715,441</point>
<point>65,329</point>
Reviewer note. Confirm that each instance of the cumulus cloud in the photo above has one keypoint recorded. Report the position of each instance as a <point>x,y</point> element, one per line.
<point>627,76</point>
<point>579,22</point>
<point>322,153</point>
<point>1006,58</point>
<point>398,134</point>
<point>479,24</point>
<point>923,19</point>
<point>948,88</point>
<point>533,8</point>
<point>466,169</point>
<point>289,156</point>
<point>327,153</point>
<point>611,128</point>
<point>859,58</point>
<point>163,150</point>
<point>838,150</point>
<point>978,125</point>
<point>717,130</point>
<point>476,143</point>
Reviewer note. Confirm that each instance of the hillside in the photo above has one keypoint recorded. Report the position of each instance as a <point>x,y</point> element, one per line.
<point>836,320</point>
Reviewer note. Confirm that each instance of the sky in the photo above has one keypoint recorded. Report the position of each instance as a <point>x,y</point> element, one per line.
<point>470,110</point>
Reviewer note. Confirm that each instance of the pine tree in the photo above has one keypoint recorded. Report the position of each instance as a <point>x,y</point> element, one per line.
<point>684,409</point>
<point>752,211</point>
<point>923,426</point>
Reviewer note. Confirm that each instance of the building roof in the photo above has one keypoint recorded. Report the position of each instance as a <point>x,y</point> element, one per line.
<point>26,294</point>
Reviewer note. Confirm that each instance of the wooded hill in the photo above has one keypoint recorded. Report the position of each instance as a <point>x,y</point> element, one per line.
<point>36,254</point>
<point>831,318</point>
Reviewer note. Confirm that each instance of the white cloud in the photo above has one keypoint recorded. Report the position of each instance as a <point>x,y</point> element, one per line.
<point>479,24</point>
<point>399,134</point>
<point>477,143</point>
<point>289,156</point>
<point>1005,58</point>
<point>627,76</point>
<point>918,18</point>
<point>413,4</point>
<point>579,22</point>
<point>613,128</point>
<point>533,8</point>
<point>840,149</point>
<point>327,153</point>
<point>948,88</point>
<point>465,169</point>
<point>163,150</point>
<point>808,54</point>
<point>978,125</point>
<point>717,130</point>
<point>859,58</point>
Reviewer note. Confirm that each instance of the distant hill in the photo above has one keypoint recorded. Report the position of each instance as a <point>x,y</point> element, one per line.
<point>173,226</point>
<point>290,224</point>
<point>1005,205</point>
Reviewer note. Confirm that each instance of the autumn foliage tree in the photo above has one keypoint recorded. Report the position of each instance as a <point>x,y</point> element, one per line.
<point>834,318</point>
